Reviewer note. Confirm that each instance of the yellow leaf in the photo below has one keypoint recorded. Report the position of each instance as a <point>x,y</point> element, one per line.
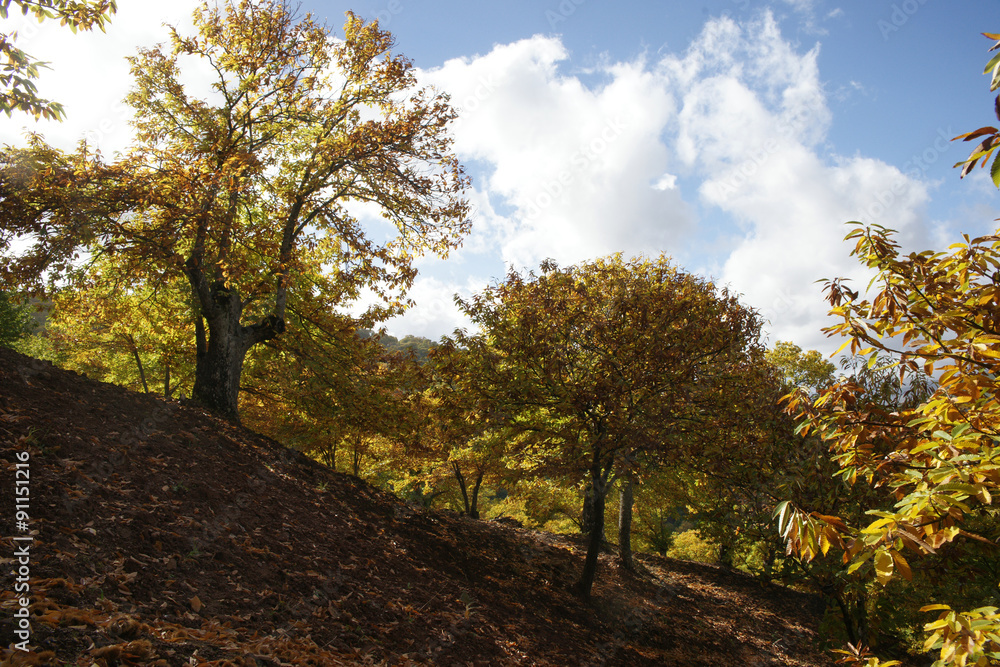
<point>824,542</point>
<point>883,567</point>
<point>935,607</point>
<point>902,566</point>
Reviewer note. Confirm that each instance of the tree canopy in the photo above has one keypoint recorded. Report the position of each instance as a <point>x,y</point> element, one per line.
<point>18,70</point>
<point>14,320</point>
<point>226,253</point>
<point>600,364</point>
<point>934,313</point>
<point>256,195</point>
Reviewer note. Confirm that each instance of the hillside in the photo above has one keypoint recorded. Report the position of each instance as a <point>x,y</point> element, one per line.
<point>163,536</point>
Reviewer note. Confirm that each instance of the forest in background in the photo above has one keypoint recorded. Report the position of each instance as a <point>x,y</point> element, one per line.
<point>623,398</point>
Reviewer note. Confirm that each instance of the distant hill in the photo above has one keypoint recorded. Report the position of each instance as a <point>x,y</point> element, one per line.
<point>164,536</point>
<point>418,345</point>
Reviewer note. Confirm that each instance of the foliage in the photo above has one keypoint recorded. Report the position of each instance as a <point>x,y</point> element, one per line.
<point>18,70</point>
<point>872,614</point>
<point>342,395</point>
<point>936,458</point>
<point>991,141</point>
<point>15,320</point>
<point>604,365</point>
<point>660,512</point>
<point>420,347</point>
<point>253,196</point>
<point>808,370</point>
<point>690,545</point>
<point>127,332</point>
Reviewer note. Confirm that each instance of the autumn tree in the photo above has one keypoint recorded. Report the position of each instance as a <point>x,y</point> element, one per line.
<point>464,429</point>
<point>594,363</point>
<point>806,370</point>
<point>263,192</point>
<point>872,614</point>
<point>127,332</point>
<point>18,70</point>
<point>937,461</point>
<point>340,391</point>
<point>14,320</point>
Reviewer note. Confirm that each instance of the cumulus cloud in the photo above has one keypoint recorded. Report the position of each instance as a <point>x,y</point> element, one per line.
<point>716,154</point>
<point>437,314</point>
<point>88,72</point>
<point>575,166</point>
<point>572,170</point>
<point>752,122</point>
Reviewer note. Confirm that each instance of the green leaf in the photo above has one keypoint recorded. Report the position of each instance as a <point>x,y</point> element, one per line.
<point>865,557</point>
<point>966,489</point>
<point>995,170</point>
<point>965,426</point>
<point>993,63</point>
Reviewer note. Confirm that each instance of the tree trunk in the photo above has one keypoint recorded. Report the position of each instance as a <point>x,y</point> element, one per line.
<point>625,504</point>
<point>589,520</point>
<point>331,457</point>
<point>663,537</point>
<point>455,468</point>
<point>474,507</point>
<point>598,491</point>
<point>772,553</point>
<point>357,458</point>
<point>138,363</point>
<point>219,361</point>
<point>726,555</point>
<point>852,635</point>
<point>853,611</point>
<point>861,609</point>
<point>470,501</point>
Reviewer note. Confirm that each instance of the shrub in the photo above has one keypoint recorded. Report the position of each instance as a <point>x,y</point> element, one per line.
<point>689,545</point>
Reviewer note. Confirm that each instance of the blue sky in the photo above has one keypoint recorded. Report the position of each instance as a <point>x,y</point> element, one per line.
<point>733,135</point>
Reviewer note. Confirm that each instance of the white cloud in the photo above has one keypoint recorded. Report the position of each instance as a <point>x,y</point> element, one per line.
<point>88,72</point>
<point>719,147</point>
<point>666,182</point>
<point>438,313</point>
<point>752,123</point>
<point>574,163</point>
<point>581,171</point>
<point>808,10</point>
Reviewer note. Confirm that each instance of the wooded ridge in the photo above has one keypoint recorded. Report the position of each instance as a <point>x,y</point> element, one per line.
<point>164,534</point>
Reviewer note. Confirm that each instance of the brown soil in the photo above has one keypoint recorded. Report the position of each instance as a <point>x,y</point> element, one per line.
<point>164,536</point>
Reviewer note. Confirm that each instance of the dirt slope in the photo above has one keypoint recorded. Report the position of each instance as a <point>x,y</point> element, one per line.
<point>163,536</point>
